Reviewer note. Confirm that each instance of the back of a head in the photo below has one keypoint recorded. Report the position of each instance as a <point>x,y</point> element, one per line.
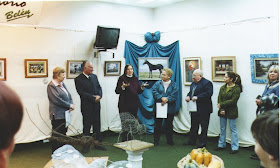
<point>265,130</point>
<point>11,112</point>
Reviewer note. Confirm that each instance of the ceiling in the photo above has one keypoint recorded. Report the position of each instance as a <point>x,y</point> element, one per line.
<point>143,3</point>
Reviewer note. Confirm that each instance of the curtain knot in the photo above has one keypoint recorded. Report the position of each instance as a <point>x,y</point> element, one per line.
<point>152,37</point>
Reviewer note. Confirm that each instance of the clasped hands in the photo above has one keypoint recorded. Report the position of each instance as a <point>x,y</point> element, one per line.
<point>164,100</point>
<point>223,113</point>
<point>194,98</point>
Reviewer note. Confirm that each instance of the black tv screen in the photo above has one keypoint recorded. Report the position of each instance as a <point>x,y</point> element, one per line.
<point>106,38</point>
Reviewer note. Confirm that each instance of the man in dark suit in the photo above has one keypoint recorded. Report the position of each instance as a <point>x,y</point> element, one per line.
<point>90,92</point>
<point>201,91</point>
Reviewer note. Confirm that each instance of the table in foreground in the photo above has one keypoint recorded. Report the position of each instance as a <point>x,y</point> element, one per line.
<point>88,159</point>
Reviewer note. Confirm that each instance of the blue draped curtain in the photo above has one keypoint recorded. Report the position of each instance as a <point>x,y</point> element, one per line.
<point>132,53</point>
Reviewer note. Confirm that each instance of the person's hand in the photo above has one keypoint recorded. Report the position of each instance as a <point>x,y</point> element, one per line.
<point>97,98</point>
<point>124,85</point>
<point>164,100</point>
<point>194,98</point>
<point>218,105</point>
<point>72,107</point>
<point>144,85</point>
<point>223,113</point>
<point>259,102</point>
<point>187,99</point>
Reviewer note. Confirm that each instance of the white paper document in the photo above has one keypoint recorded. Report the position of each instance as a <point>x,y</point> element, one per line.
<point>67,118</point>
<point>161,110</point>
<point>191,106</point>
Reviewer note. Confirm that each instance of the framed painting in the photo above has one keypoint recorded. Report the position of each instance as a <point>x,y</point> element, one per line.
<point>112,68</point>
<point>221,65</point>
<point>190,64</point>
<point>74,68</point>
<point>150,68</point>
<point>3,69</point>
<point>36,68</point>
<point>260,64</point>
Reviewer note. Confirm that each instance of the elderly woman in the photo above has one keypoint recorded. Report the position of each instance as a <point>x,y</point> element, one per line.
<point>165,92</point>
<point>60,101</point>
<point>128,87</point>
<point>270,97</point>
<point>227,104</point>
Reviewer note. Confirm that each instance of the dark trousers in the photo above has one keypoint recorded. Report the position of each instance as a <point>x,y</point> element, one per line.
<point>196,120</point>
<point>92,119</point>
<point>168,126</point>
<point>58,126</point>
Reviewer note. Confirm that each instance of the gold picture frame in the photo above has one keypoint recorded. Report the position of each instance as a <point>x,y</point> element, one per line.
<point>190,64</point>
<point>36,68</point>
<point>3,69</point>
<point>220,65</point>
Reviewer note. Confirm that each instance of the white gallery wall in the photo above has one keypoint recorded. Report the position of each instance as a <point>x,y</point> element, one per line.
<point>66,31</point>
<point>222,28</point>
<point>205,28</point>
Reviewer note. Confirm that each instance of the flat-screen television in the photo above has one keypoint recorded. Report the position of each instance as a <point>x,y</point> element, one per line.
<point>106,37</point>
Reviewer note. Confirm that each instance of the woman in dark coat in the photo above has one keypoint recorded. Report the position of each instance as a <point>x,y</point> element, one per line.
<point>227,104</point>
<point>128,87</point>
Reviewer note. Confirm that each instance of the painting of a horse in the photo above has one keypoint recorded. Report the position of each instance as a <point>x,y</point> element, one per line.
<point>153,67</point>
<point>150,68</point>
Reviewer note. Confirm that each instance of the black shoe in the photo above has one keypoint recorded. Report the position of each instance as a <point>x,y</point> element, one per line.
<point>189,143</point>
<point>201,145</point>
<point>255,157</point>
<point>171,143</point>
<point>85,149</point>
<point>233,152</point>
<point>98,147</point>
<point>219,148</point>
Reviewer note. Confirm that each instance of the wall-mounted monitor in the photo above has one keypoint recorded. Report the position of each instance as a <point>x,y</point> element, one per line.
<point>106,37</point>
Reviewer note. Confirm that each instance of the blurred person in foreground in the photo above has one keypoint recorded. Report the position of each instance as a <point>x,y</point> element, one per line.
<point>265,130</point>
<point>11,112</point>
<point>60,102</point>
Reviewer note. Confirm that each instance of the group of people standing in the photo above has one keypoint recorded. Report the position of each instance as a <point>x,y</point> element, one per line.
<point>165,92</point>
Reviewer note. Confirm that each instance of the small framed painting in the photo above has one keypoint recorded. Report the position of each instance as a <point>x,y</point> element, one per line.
<point>190,64</point>
<point>112,68</point>
<point>36,68</point>
<point>3,69</point>
<point>74,68</point>
<point>150,68</point>
<point>260,64</point>
<point>221,65</point>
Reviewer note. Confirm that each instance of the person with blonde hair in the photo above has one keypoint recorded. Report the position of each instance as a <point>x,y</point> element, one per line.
<point>165,92</point>
<point>228,110</point>
<point>10,122</point>
<point>60,101</point>
<point>270,97</point>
